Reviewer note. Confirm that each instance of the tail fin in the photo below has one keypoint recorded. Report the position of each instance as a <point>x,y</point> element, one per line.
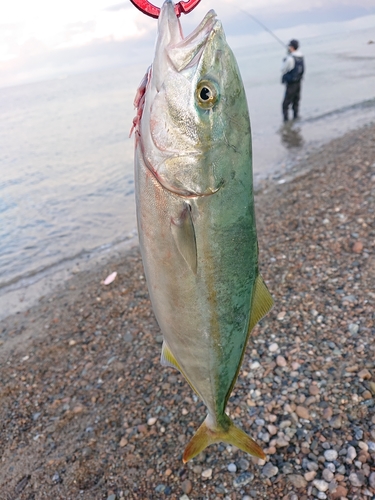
<point>225,432</point>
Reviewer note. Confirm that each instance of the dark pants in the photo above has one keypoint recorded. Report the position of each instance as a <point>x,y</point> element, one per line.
<point>292,96</point>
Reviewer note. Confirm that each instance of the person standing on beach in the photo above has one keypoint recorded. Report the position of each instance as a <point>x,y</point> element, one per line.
<point>292,72</point>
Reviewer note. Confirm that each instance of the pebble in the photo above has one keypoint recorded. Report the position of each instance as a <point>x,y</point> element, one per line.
<point>288,468</point>
<point>273,347</point>
<point>309,476</point>
<point>340,492</point>
<point>270,470</point>
<point>243,479</point>
<point>151,421</point>
<point>207,473</point>
<point>330,455</point>
<point>320,484</point>
<point>341,469</point>
<point>111,497</point>
<point>303,412</point>
<point>123,442</point>
<point>351,454</point>
<point>285,423</point>
<point>331,467</point>
<point>321,495</point>
<point>336,422</point>
<point>358,433</point>
<point>281,315</point>
<point>312,466</point>
<point>186,486</point>
<point>357,247</point>
<point>184,497</point>
<point>372,480</point>
<point>363,445</point>
<point>353,328</point>
<point>327,413</point>
<point>272,429</point>
<point>314,390</point>
<point>327,475</point>
<point>56,478</point>
<point>364,374</point>
<point>297,480</point>
<point>243,464</point>
<point>281,442</point>
<point>255,365</point>
<point>357,479</point>
<point>281,361</point>
<point>232,468</point>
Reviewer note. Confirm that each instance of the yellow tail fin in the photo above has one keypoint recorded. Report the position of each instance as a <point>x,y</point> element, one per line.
<point>209,433</point>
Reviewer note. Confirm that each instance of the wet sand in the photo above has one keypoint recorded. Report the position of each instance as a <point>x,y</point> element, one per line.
<point>88,412</point>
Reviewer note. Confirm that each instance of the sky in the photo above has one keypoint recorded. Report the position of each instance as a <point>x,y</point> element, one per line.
<point>39,35</point>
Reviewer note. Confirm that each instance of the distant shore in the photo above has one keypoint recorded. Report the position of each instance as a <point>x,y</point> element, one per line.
<point>88,412</point>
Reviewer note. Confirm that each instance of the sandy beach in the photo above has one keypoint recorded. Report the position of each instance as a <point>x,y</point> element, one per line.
<point>87,411</point>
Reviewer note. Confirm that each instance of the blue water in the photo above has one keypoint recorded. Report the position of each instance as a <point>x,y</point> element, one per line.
<point>66,169</point>
<point>66,162</point>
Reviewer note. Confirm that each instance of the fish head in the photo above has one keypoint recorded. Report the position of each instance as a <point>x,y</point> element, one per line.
<point>194,107</point>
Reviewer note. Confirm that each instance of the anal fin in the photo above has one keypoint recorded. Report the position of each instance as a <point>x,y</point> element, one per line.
<point>167,358</point>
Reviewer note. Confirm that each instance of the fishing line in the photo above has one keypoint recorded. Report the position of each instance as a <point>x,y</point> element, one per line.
<point>264,27</point>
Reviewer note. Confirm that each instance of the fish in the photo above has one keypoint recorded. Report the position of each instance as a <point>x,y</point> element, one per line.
<point>196,216</point>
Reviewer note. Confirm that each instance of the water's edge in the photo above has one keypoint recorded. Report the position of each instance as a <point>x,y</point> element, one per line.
<point>27,291</point>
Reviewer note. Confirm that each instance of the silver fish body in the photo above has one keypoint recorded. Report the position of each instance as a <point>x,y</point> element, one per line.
<point>196,218</point>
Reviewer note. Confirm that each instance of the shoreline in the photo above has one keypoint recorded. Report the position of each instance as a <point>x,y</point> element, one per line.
<point>26,291</point>
<point>88,412</point>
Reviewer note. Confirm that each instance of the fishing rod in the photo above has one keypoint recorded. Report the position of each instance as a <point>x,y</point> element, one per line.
<point>264,27</point>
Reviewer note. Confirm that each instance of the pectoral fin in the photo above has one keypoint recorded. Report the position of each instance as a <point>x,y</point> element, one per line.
<point>183,233</point>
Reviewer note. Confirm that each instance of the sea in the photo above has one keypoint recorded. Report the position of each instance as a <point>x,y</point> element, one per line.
<point>66,159</point>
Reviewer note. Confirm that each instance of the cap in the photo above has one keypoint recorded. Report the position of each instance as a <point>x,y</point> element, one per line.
<point>294,43</point>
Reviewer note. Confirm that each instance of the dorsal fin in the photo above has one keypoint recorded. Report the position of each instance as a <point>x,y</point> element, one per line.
<point>261,304</point>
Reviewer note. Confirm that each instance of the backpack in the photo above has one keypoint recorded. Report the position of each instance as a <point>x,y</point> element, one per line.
<point>295,75</point>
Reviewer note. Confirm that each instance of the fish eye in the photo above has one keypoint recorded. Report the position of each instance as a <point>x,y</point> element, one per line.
<point>206,94</point>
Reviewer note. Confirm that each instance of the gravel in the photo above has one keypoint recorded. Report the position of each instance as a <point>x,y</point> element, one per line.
<point>88,412</point>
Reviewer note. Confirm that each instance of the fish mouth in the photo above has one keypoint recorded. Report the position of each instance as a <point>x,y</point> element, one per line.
<point>172,45</point>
